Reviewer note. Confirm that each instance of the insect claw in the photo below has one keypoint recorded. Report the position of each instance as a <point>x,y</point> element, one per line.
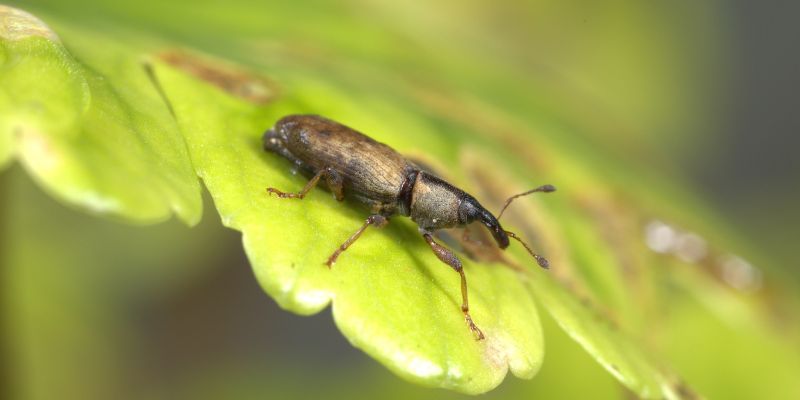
<point>474,328</point>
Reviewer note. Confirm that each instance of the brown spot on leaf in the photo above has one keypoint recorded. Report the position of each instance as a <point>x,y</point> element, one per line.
<point>232,79</point>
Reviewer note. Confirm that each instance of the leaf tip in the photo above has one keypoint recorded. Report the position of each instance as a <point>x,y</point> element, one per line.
<point>16,24</point>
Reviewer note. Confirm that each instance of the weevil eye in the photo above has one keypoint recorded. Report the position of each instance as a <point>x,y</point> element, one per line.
<point>497,231</point>
<point>274,139</point>
<point>467,211</point>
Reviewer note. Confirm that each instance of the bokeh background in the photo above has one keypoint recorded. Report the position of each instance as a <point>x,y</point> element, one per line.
<point>702,93</point>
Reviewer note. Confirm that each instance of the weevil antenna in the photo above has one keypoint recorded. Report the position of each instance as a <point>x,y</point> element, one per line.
<point>539,259</point>
<point>543,189</point>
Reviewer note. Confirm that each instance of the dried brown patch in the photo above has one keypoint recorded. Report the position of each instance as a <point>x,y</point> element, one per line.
<point>232,79</point>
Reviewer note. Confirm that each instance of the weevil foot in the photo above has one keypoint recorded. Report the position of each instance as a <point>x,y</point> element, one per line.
<point>331,260</point>
<point>284,195</point>
<point>474,328</point>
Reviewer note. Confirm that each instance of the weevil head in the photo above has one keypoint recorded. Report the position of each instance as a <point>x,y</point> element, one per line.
<point>271,140</point>
<point>470,210</point>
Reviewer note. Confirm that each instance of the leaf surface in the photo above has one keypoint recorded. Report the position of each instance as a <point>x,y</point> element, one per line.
<point>98,137</point>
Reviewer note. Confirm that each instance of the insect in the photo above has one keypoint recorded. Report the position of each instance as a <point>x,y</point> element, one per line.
<point>354,165</point>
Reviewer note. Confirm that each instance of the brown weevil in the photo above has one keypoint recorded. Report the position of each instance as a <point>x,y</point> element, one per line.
<point>354,165</point>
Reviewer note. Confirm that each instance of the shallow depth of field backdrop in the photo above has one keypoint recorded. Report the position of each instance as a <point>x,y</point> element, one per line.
<point>674,120</point>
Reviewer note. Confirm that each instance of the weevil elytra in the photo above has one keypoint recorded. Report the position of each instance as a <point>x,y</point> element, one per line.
<point>354,165</point>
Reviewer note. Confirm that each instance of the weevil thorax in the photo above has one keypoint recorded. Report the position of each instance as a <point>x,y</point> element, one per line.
<point>436,204</point>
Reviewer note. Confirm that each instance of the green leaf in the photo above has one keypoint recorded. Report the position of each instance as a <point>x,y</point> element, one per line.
<point>97,130</point>
<point>617,353</point>
<point>582,282</point>
<point>97,137</point>
<point>390,295</point>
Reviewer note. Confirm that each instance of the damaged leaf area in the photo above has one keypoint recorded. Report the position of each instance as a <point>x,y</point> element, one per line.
<point>97,137</point>
<point>247,86</point>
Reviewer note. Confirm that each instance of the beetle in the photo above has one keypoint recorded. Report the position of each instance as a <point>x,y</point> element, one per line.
<point>356,166</point>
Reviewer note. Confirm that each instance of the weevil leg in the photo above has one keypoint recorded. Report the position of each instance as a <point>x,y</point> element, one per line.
<point>446,256</point>
<point>379,221</point>
<point>335,184</point>
<point>332,177</point>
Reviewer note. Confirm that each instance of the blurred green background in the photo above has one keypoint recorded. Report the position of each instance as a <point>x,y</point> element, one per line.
<point>698,93</point>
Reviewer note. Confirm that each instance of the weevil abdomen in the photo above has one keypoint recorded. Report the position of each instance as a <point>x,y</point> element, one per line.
<point>372,172</point>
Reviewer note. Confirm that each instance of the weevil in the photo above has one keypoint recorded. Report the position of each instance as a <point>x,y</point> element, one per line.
<point>353,165</point>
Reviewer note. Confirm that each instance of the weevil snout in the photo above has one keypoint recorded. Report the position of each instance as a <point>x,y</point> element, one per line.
<point>470,210</point>
<point>497,231</point>
<point>500,235</point>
